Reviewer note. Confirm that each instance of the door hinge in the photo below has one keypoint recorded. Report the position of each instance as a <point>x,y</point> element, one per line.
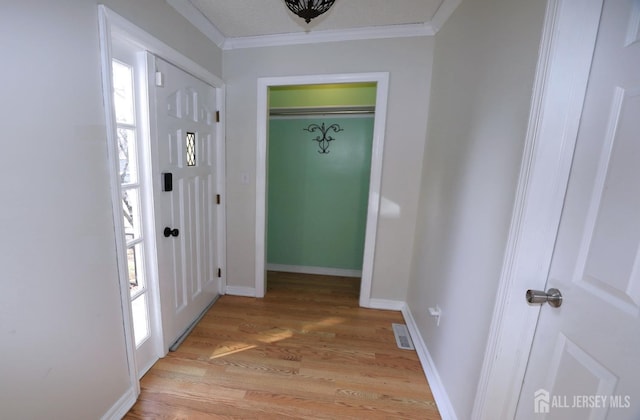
<point>217,198</point>
<point>219,272</point>
<point>217,116</point>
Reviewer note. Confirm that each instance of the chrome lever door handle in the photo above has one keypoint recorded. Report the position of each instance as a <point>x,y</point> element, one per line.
<point>552,296</point>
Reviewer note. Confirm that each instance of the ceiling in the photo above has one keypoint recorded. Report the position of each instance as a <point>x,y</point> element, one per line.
<point>245,23</point>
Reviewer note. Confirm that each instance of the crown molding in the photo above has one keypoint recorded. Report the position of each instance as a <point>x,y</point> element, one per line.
<point>197,19</point>
<point>378,32</point>
<point>443,14</point>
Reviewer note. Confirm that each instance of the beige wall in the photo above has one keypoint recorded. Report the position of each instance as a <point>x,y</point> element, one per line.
<point>156,17</point>
<point>62,352</point>
<point>409,63</point>
<point>484,64</point>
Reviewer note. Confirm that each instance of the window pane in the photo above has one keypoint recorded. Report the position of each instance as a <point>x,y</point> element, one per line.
<point>140,312</point>
<point>123,93</point>
<point>191,149</point>
<point>134,266</point>
<point>131,214</point>
<point>127,156</point>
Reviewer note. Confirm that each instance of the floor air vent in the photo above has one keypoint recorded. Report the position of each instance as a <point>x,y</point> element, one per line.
<point>403,339</point>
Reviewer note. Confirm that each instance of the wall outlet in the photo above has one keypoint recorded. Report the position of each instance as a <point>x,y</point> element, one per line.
<point>436,313</point>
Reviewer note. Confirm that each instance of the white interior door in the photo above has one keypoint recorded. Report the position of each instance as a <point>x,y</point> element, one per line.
<point>185,109</point>
<point>585,359</point>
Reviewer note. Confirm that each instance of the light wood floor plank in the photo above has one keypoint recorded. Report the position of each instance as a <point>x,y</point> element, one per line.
<point>304,351</point>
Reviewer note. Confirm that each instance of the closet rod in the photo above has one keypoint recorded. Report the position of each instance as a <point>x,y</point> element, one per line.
<point>326,110</point>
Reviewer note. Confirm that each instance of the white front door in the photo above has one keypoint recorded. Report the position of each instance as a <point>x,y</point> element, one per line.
<point>585,358</point>
<point>184,195</point>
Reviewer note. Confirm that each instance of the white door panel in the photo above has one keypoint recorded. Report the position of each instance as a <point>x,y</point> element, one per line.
<point>585,359</point>
<point>185,119</point>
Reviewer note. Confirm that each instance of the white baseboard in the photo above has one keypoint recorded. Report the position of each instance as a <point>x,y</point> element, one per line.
<point>122,406</point>
<point>428,366</point>
<point>241,291</point>
<point>386,304</point>
<point>324,271</point>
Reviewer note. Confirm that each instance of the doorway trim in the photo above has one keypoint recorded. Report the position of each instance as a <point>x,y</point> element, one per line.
<point>377,152</point>
<point>566,50</point>
<point>113,25</point>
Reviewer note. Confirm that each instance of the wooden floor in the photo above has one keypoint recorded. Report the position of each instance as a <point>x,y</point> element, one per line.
<point>304,351</point>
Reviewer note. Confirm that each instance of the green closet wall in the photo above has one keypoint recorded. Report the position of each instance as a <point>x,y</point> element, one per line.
<point>351,94</point>
<point>317,203</point>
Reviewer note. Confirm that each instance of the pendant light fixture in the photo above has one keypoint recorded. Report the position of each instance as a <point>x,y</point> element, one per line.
<point>309,9</point>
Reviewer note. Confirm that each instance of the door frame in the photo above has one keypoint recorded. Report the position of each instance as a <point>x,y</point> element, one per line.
<point>113,25</point>
<point>377,153</point>
<point>566,51</point>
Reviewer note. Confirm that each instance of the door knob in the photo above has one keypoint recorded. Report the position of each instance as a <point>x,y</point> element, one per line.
<point>170,232</point>
<point>552,296</point>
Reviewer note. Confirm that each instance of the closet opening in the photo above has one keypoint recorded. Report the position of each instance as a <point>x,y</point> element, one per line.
<point>322,156</point>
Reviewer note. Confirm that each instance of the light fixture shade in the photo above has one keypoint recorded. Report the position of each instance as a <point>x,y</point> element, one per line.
<point>309,9</point>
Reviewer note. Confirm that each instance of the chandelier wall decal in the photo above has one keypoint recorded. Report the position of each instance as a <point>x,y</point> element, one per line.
<point>325,138</point>
<point>309,9</point>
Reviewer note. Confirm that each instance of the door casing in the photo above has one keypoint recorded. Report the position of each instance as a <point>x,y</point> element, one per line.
<point>373,209</point>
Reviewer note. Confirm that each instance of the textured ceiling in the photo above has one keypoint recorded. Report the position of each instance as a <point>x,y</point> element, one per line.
<point>247,18</point>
